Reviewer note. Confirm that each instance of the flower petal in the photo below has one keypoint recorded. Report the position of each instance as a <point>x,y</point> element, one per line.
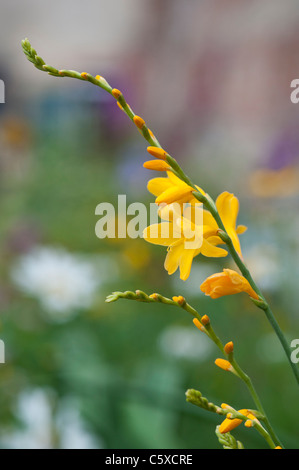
<point>186,263</point>
<point>175,194</point>
<point>228,207</point>
<point>157,186</point>
<point>173,257</point>
<point>211,251</point>
<point>161,234</point>
<point>241,229</point>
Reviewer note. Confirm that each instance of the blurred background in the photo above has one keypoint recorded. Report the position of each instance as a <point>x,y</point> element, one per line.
<point>212,80</point>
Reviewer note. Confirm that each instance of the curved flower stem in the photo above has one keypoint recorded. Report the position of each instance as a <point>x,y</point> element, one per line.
<point>141,296</point>
<point>195,397</point>
<point>262,303</point>
<point>247,380</point>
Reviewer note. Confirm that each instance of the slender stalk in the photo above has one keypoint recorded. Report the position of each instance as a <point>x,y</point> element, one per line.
<point>247,380</point>
<point>208,329</point>
<point>262,304</point>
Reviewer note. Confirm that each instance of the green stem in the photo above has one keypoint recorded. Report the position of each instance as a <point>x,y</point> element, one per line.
<point>274,440</point>
<point>263,305</point>
<point>158,298</point>
<point>247,380</point>
<point>265,435</point>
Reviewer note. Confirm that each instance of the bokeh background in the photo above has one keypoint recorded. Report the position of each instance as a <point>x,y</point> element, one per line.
<point>212,80</point>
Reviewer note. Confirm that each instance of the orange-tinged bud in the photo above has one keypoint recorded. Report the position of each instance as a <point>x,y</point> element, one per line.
<point>154,296</point>
<point>205,320</point>
<point>158,165</point>
<point>229,347</point>
<point>179,299</point>
<point>244,412</point>
<point>116,93</point>
<point>139,122</point>
<point>248,423</point>
<point>227,283</point>
<point>98,77</point>
<point>157,152</point>
<point>198,324</point>
<point>252,419</point>
<point>225,406</point>
<point>84,75</point>
<point>175,194</point>
<point>224,364</point>
<point>278,447</point>
<point>229,424</point>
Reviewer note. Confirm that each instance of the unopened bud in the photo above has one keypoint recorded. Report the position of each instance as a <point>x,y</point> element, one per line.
<point>205,320</point>
<point>139,122</point>
<point>229,347</point>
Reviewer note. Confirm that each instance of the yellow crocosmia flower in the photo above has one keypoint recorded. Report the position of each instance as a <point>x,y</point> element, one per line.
<point>183,237</point>
<point>229,424</point>
<point>228,208</point>
<point>172,189</point>
<point>227,283</point>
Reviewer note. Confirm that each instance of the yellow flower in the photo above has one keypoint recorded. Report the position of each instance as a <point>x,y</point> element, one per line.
<point>228,208</point>
<point>229,424</point>
<point>226,283</point>
<point>183,237</point>
<point>172,189</point>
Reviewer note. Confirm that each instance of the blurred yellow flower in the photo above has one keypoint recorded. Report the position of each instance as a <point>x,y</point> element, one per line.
<point>183,237</point>
<point>267,183</point>
<point>227,283</point>
<point>172,189</point>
